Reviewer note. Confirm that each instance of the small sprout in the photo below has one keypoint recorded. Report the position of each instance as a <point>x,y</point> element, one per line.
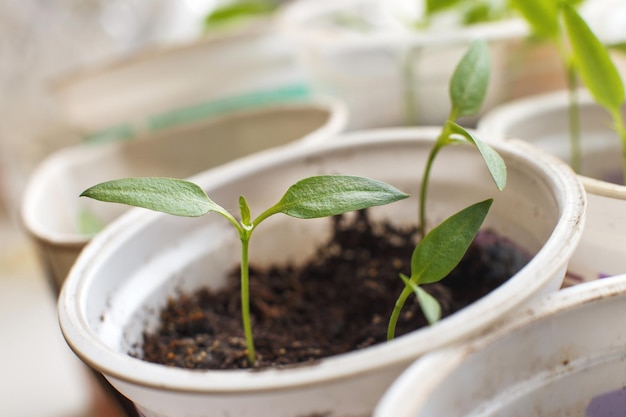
<point>468,88</point>
<point>435,256</point>
<point>429,304</point>
<point>313,197</point>
<point>443,247</point>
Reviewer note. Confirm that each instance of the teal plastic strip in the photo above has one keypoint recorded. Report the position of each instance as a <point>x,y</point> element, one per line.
<point>226,105</point>
<point>286,94</point>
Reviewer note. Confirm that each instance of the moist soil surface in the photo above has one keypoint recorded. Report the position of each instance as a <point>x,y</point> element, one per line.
<point>338,301</point>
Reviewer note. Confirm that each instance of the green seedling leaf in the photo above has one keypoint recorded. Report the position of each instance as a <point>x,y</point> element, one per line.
<point>238,10</point>
<point>470,80</point>
<point>438,253</point>
<point>330,195</point>
<point>429,304</point>
<point>593,61</point>
<point>313,197</point>
<point>444,246</point>
<point>244,209</point>
<point>541,15</point>
<point>167,195</point>
<point>495,163</point>
<point>477,13</point>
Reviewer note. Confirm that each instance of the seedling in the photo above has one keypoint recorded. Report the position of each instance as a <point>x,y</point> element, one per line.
<point>434,258</point>
<point>441,249</point>
<point>313,197</point>
<point>583,56</point>
<point>468,88</point>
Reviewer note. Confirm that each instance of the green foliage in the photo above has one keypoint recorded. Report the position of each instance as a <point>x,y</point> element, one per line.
<point>469,11</point>
<point>437,254</point>
<point>238,10</point>
<point>329,195</point>
<point>468,88</point>
<point>168,195</point>
<point>619,47</point>
<point>583,55</point>
<point>434,6</point>
<point>593,62</point>
<point>88,223</point>
<point>429,304</point>
<point>312,197</point>
<point>442,248</point>
<point>495,163</point>
<point>541,15</point>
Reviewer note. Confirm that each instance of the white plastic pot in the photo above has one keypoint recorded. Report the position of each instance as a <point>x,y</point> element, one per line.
<point>183,82</point>
<point>128,271</point>
<point>543,122</point>
<point>51,208</point>
<point>375,61</point>
<point>562,357</point>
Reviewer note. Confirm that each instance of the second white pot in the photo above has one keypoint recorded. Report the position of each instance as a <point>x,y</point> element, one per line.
<point>543,121</point>
<point>561,357</point>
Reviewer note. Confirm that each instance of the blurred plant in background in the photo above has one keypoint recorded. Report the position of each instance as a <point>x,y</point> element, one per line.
<point>40,39</point>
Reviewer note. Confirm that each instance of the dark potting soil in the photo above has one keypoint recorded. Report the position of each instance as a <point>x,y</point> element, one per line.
<point>339,301</point>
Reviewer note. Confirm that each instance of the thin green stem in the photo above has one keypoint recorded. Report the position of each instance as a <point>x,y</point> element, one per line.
<point>245,297</point>
<point>395,314</point>
<point>574,119</point>
<point>618,122</point>
<point>441,142</point>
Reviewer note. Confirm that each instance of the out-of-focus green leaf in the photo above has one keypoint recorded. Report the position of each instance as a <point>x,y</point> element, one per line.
<point>238,10</point>
<point>593,61</point>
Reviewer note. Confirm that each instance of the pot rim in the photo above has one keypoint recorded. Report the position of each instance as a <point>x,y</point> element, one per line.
<point>548,262</point>
<point>436,366</point>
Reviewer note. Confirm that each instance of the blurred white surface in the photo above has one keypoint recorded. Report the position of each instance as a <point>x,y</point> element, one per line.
<point>40,39</point>
<point>40,376</point>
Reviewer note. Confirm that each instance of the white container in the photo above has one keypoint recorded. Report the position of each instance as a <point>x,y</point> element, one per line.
<point>51,208</point>
<point>184,82</point>
<point>130,269</point>
<point>561,357</point>
<point>365,64</point>
<point>543,122</point>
